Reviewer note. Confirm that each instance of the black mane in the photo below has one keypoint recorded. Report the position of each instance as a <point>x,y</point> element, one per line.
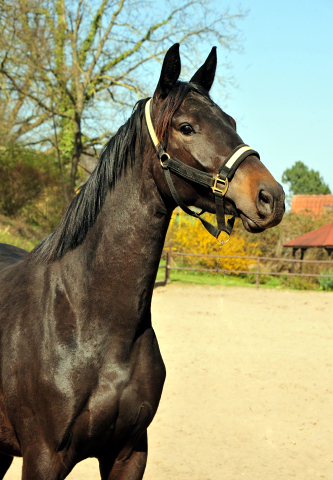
<point>117,155</point>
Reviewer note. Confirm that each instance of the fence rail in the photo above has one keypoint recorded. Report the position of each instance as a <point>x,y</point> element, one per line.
<point>169,254</point>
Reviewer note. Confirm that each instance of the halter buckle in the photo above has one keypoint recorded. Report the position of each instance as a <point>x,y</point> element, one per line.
<point>217,180</point>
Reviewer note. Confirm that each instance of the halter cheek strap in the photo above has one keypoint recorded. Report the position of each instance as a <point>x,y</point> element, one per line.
<point>218,183</point>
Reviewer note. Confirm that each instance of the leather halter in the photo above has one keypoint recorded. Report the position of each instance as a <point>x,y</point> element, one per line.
<point>218,183</point>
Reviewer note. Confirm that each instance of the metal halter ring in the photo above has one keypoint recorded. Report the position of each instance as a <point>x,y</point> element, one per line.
<point>223,242</point>
<point>164,158</point>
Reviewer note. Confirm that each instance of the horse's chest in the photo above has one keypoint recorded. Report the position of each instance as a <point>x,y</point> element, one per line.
<point>126,400</point>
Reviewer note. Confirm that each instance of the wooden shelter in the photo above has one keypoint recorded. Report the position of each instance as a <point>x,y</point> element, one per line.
<point>320,238</point>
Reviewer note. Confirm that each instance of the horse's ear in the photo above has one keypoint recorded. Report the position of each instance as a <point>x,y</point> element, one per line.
<point>206,73</point>
<point>170,72</point>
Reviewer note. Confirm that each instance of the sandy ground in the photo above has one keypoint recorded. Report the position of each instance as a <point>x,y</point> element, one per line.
<point>249,389</point>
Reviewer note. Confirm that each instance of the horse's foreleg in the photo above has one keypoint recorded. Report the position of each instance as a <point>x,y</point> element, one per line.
<point>130,464</point>
<point>5,463</point>
<point>41,463</point>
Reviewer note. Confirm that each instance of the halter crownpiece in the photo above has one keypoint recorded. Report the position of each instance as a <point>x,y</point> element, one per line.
<point>218,183</point>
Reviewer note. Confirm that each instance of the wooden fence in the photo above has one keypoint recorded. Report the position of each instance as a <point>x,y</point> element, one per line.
<point>168,267</point>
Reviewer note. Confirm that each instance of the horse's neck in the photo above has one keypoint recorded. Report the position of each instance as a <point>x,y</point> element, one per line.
<point>120,255</point>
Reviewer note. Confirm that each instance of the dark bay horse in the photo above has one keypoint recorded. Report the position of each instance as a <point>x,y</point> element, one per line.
<point>81,370</point>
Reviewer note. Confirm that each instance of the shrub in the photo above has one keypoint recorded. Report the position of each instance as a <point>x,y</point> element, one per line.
<point>19,233</point>
<point>189,236</point>
<point>270,241</point>
<point>24,176</point>
<point>30,187</point>
<point>326,283</point>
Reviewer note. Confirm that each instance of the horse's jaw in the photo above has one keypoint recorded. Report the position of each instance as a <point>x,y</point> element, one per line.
<point>254,223</point>
<point>250,225</point>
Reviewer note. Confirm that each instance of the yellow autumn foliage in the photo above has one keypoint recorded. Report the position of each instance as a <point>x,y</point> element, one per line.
<point>188,235</point>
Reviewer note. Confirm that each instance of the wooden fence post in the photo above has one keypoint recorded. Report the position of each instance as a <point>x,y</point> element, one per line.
<point>168,264</point>
<point>258,272</point>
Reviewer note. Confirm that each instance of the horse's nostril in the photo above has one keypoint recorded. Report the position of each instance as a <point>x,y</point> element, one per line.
<point>265,203</point>
<point>265,196</point>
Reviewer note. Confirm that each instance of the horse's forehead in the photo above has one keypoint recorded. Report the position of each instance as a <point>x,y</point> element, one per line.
<point>198,105</point>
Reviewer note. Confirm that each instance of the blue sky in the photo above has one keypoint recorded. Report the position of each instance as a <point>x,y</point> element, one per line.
<point>284,101</point>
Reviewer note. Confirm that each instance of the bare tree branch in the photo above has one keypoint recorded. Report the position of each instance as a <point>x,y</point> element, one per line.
<point>78,60</point>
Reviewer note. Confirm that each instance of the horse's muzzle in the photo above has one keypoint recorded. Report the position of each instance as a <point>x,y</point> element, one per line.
<point>270,203</point>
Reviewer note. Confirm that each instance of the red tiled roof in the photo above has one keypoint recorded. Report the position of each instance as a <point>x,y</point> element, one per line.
<point>321,237</point>
<point>315,204</point>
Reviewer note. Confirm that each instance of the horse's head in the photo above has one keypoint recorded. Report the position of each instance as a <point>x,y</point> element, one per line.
<point>193,129</point>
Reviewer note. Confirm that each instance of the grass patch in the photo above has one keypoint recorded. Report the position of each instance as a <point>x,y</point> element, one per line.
<point>274,282</point>
<point>266,281</point>
<point>204,278</point>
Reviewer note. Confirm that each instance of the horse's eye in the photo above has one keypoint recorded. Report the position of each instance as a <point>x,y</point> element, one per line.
<point>186,129</point>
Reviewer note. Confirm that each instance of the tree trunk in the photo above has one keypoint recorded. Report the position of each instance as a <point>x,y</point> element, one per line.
<point>77,151</point>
